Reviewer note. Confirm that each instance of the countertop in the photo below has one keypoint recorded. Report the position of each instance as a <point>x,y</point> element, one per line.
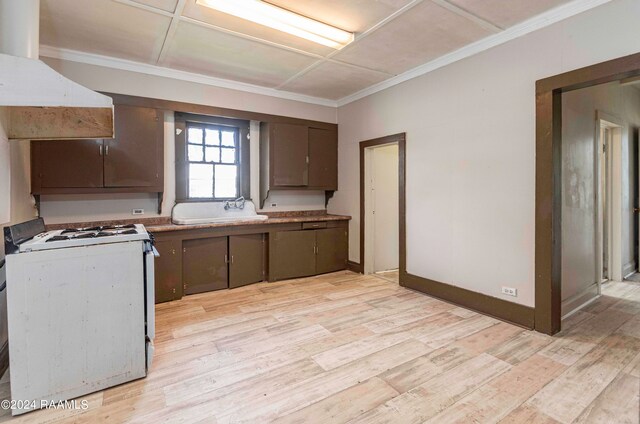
<point>270,221</point>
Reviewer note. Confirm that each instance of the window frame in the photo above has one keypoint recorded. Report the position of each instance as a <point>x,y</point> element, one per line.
<point>182,123</point>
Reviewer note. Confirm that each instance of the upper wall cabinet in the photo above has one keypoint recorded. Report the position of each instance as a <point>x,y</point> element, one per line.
<point>297,157</point>
<point>133,161</point>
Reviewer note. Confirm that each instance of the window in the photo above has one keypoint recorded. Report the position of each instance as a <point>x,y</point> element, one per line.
<point>211,158</point>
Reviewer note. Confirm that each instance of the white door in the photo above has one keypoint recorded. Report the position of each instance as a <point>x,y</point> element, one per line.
<point>384,192</point>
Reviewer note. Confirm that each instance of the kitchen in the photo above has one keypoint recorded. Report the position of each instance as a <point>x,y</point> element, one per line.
<point>185,237</point>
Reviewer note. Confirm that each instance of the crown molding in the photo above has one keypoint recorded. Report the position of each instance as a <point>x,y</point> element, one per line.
<point>538,22</point>
<point>143,68</point>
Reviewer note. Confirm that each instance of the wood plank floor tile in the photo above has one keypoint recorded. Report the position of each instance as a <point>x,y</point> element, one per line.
<point>432,397</point>
<point>344,405</point>
<point>345,347</point>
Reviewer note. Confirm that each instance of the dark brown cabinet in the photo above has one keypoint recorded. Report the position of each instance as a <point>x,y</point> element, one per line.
<point>297,157</point>
<point>331,250</point>
<point>204,265</point>
<point>289,150</point>
<point>134,158</point>
<point>168,270</point>
<point>200,260</point>
<point>133,161</point>
<point>323,159</point>
<point>294,254</point>
<point>246,259</point>
<point>82,161</point>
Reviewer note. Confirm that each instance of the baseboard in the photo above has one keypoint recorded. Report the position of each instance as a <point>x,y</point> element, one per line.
<point>629,269</point>
<point>513,313</point>
<point>355,267</point>
<point>579,300</point>
<point>4,359</point>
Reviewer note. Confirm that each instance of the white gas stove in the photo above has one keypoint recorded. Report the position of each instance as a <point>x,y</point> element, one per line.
<point>80,310</point>
<point>76,237</point>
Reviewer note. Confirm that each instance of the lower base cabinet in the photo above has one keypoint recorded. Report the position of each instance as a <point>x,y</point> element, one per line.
<point>191,262</point>
<point>204,265</point>
<point>246,259</point>
<point>292,254</point>
<point>332,251</point>
<point>168,270</point>
<point>295,254</point>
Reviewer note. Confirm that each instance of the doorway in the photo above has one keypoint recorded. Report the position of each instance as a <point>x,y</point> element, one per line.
<point>549,199</point>
<point>382,249</point>
<point>381,203</point>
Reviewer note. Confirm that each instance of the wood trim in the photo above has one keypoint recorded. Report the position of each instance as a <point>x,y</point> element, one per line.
<point>354,267</point>
<point>198,109</point>
<point>400,139</point>
<point>501,309</point>
<point>548,213</point>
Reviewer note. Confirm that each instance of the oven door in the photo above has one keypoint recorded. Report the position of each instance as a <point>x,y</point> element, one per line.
<point>150,254</point>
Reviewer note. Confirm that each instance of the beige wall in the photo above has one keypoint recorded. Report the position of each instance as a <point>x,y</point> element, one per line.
<point>57,209</point>
<point>579,144</point>
<point>471,150</point>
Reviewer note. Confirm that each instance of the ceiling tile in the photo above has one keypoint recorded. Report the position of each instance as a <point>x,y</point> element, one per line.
<point>231,23</point>
<point>350,15</point>
<point>334,81</point>
<point>421,34</point>
<point>166,5</point>
<point>103,27</point>
<point>507,13</point>
<point>206,51</point>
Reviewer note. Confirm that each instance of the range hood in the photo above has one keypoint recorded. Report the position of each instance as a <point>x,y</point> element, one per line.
<point>42,104</point>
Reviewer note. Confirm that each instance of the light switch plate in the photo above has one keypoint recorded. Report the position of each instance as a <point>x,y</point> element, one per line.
<point>137,212</point>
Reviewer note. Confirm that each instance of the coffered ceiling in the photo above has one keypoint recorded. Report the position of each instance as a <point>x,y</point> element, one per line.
<point>392,37</point>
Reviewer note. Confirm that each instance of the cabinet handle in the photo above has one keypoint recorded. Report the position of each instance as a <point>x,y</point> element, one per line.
<point>173,251</point>
<point>106,150</point>
<point>100,150</point>
<point>231,258</point>
<point>226,259</point>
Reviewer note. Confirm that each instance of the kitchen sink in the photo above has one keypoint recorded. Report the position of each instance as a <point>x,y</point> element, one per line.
<point>215,213</point>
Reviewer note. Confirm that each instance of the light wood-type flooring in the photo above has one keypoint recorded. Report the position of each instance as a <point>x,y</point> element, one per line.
<point>346,348</point>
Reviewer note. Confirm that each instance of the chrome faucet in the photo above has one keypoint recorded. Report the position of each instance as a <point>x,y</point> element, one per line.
<point>235,204</point>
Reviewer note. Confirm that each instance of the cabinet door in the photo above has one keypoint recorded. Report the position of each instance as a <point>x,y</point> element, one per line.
<point>204,265</point>
<point>168,270</point>
<point>246,259</point>
<point>291,254</point>
<point>331,250</point>
<point>67,164</point>
<point>323,159</point>
<point>134,158</point>
<point>289,149</point>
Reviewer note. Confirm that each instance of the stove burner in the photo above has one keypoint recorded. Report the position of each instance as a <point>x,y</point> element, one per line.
<point>57,238</point>
<point>84,236</point>
<point>133,231</point>
<point>69,230</point>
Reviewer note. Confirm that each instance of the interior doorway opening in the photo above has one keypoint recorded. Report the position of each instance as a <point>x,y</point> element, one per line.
<point>382,207</point>
<point>382,214</point>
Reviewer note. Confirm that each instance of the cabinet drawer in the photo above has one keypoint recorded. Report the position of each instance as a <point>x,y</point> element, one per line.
<point>313,225</point>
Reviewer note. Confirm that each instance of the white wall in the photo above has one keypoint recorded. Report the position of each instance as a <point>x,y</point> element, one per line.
<point>58,209</point>
<point>579,144</point>
<point>471,150</point>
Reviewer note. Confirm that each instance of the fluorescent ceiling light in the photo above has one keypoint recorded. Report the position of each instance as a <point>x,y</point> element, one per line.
<point>283,20</point>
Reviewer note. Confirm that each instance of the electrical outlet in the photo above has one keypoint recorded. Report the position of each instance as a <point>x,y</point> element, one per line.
<point>273,205</point>
<point>510,291</point>
<point>137,212</point>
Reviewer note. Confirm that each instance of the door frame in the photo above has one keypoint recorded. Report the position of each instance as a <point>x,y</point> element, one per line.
<point>400,140</point>
<point>548,202</point>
